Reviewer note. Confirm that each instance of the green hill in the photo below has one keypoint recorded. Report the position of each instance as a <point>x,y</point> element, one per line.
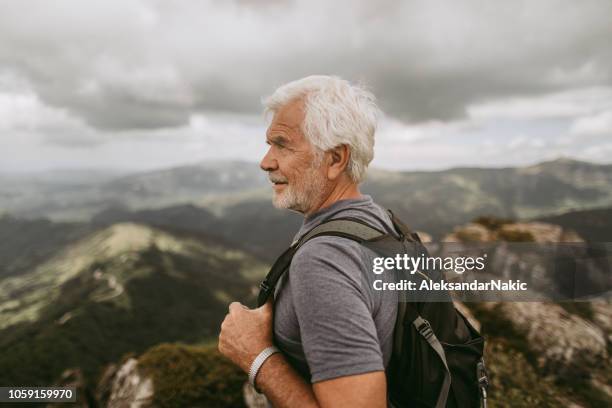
<point>121,289</point>
<point>255,226</point>
<point>27,243</point>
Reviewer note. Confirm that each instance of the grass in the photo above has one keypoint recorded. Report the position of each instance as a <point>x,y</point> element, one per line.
<point>192,376</point>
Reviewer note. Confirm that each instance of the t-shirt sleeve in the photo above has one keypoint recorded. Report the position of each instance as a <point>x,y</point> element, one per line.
<point>334,309</point>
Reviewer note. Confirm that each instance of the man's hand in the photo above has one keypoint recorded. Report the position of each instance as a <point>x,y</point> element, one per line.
<point>245,333</point>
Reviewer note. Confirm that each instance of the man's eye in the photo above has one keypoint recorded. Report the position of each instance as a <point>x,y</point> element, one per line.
<point>277,144</point>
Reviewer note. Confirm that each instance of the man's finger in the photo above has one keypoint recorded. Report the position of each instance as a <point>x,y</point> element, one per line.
<point>237,306</point>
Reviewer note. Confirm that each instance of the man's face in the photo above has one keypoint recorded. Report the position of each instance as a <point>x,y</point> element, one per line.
<point>298,180</point>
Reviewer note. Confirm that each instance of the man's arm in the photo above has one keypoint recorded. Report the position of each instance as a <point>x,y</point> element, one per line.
<point>338,333</point>
<point>286,389</point>
<point>245,332</point>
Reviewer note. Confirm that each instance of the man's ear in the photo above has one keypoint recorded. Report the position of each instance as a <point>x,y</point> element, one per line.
<point>338,160</point>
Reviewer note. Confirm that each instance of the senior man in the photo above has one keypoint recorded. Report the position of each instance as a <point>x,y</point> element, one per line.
<point>336,335</point>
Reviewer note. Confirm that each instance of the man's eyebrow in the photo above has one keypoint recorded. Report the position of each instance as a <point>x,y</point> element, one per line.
<point>278,139</point>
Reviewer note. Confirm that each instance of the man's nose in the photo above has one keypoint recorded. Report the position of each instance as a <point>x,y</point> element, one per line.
<point>268,163</point>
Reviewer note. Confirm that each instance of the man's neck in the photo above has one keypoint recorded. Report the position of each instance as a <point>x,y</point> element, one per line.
<point>342,191</point>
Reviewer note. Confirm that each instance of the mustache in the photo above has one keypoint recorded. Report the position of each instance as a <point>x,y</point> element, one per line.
<point>276,179</point>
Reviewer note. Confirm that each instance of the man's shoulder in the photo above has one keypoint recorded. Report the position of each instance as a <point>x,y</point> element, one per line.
<point>329,257</point>
<point>329,266</point>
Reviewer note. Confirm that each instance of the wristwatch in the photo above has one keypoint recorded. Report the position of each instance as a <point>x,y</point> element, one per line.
<point>258,362</point>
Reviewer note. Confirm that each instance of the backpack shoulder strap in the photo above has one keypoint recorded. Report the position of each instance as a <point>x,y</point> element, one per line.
<point>347,227</point>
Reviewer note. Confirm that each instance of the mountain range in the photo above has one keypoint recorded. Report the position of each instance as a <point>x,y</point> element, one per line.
<point>432,201</point>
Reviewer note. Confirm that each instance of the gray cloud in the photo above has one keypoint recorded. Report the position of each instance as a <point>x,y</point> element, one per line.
<point>139,65</point>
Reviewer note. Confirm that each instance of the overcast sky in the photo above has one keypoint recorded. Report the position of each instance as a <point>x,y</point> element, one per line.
<point>148,84</point>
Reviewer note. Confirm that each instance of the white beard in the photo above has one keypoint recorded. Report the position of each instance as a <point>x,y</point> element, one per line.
<point>301,195</point>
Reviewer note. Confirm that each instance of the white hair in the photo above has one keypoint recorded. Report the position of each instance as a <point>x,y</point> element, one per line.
<point>336,113</point>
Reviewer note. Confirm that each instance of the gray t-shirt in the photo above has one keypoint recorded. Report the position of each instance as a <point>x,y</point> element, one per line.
<point>328,320</point>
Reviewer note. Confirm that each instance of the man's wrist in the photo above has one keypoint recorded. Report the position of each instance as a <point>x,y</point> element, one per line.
<point>258,363</point>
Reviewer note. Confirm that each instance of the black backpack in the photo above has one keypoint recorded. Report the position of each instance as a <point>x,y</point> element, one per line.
<point>437,358</point>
